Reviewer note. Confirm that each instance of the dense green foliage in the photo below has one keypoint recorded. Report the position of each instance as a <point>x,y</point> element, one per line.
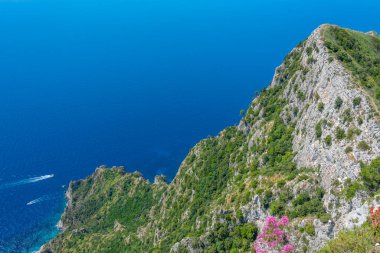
<point>360,239</point>
<point>370,175</point>
<point>106,208</point>
<point>338,103</point>
<point>369,180</point>
<point>209,177</point>
<point>236,239</point>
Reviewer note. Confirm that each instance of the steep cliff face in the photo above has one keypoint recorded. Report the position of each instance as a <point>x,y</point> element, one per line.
<point>325,96</point>
<point>304,148</point>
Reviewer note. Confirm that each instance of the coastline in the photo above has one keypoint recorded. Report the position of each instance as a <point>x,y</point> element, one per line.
<point>58,228</point>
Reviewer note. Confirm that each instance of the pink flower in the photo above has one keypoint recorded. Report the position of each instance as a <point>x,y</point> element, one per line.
<point>273,237</point>
<point>287,248</point>
<point>283,221</point>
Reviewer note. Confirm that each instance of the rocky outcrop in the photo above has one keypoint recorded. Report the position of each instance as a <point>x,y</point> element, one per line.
<point>229,182</point>
<point>326,82</point>
<point>323,94</point>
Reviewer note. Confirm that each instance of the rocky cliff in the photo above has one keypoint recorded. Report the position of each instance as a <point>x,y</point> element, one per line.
<point>307,147</point>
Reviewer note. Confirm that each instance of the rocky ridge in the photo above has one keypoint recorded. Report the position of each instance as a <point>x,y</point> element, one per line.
<point>300,146</point>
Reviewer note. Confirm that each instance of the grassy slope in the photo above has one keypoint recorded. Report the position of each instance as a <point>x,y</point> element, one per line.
<point>106,198</point>
<point>360,239</point>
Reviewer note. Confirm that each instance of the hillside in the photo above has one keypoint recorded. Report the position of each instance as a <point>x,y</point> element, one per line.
<point>307,147</point>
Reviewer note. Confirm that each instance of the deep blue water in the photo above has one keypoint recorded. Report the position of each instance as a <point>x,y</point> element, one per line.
<point>130,82</point>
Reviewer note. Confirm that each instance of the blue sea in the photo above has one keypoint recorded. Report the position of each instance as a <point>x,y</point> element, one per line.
<point>130,82</point>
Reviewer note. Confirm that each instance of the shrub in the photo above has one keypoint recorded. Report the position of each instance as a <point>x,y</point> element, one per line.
<point>277,208</point>
<point>370,175</point>
<point>351,190</point>
<point>305,205</point>
<point>353,131</point>
<point>267,198</point>
<point>301,96</point>
<point>310,229</point>
<point>377,92</point>
<point>311,60</point>
<point>324,217</point>
<point>338,103</point>
<point>295,111</point>
<point>340,134</point>
<point>374,217</point>
<point>321,106</point>
<point>346,116</point>
<point>318,129</point>
<point>273,237</point>
<point>226,238</point>
<point>360,120</point>
<point>328,140</point>
<point>360,239</point>
<point>309,50</point>
<point>301,199</point>
<point>356,102</point>
<point>363,146</point>
<point>348,149</point>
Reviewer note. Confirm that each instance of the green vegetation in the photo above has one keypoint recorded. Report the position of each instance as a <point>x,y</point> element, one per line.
<point>340,134</point>
<point>338,103</point>
<point>202,207</point>
<point>348,149</point>
<point>346,116</point>
<point>362,145</point>
<point>328,140</point>
<point>360,239</point>
<point>321,106</point>
<point>318,129</point>
<point>109,198</point>
<point>211,173</point>
<point>369,180</point>
<point>351,189</point>
<point>351,132</point>
<point>310,229</point>
<point>305,205</point>
<point>309,51</point>
<point>310,60</point>
<point>360,120</point>
<point>225,238</point>
<point>360,53</point>
<point>356,101</point>
<point>300,95</point>
<point>370,175</point>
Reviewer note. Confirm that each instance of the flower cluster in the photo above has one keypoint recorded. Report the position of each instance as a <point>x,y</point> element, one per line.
<point>374,216</point>
<point>273,238</point>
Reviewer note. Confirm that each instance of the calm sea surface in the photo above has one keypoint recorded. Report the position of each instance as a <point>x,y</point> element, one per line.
<point>130,82</point>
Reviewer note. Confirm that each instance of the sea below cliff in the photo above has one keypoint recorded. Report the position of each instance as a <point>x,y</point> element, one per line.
<point>133,83</point>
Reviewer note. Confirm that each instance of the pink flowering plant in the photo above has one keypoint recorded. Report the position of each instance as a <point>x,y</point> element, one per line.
<point>273,238</point>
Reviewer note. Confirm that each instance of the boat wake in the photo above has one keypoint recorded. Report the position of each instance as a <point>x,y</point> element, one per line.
<point>35,201</point>
<point>26,181</point>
